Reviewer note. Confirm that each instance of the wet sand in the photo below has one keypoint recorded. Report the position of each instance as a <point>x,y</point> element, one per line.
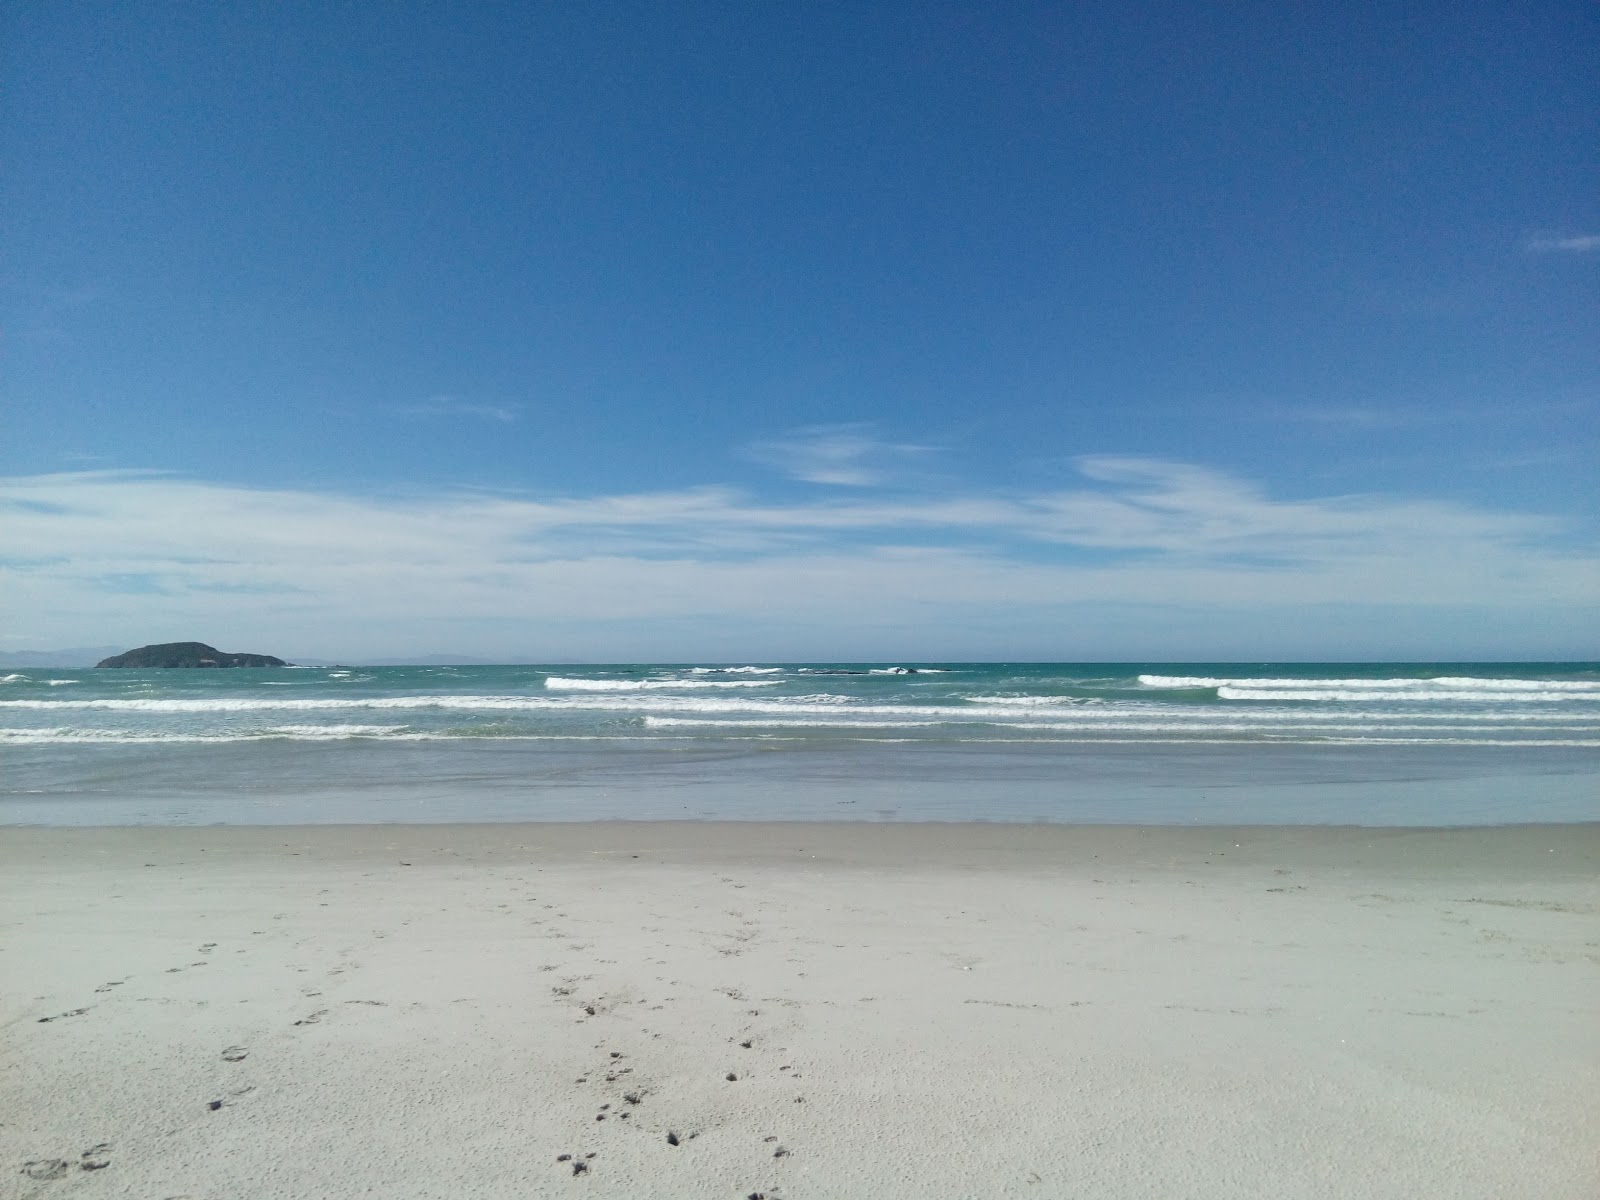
<point>799,1010</point>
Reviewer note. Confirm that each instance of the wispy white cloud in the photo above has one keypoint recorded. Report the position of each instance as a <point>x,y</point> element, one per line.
<point>1580,244</point>
<point>1356,416</point>
<point>844,455</point>
<point>449,406</point>
<point>1169,538</point>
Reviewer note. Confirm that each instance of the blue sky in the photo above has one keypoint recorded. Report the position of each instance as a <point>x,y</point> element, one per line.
<point>810,330</point>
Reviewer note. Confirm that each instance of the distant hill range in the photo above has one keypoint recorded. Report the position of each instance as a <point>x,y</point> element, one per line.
<point>76,656</point>
<point>187,654</point>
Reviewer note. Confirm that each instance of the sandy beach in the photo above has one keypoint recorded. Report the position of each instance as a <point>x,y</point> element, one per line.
<point>799,1010</point>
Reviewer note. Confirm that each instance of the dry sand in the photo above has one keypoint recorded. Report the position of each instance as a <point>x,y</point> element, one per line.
<point>799,1011</point>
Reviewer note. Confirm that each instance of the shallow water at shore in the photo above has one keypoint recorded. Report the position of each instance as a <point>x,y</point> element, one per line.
<point>1378,744</point>
<point>288,783</point>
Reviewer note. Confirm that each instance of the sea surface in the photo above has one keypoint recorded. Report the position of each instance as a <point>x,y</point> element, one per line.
<point>1317,743</point>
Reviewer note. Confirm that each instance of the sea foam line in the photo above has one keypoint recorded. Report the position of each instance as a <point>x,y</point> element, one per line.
<point>821,704</point>
<point>316,733</point>
<point>561,683</point>
<point>1090,727</point>
<point>1351,695</point>
<point>1448,683</point>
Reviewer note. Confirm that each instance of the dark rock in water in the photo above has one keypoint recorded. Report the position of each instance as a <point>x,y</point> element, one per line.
<point>187,654</point>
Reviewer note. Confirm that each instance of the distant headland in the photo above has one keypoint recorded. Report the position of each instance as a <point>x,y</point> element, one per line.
<point>187,654</point>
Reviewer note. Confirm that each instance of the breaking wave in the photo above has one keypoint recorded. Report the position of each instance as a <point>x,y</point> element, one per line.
<point>558,683</point>
<point>1444,687</point>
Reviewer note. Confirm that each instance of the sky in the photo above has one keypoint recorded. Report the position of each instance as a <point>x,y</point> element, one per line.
<point>813,331</point>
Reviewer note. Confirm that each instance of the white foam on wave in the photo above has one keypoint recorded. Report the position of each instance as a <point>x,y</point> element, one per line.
<point>294,733</point>
<point>1518,685</point>
<point>780,723</point>
<point>822,704</point>
<point>557,683</point>
<point>1351,695</point>
<point>736,670</point>
<point>14,678</point>
<point>1281,741</point>
<point>1436,687</point>
<point>76,735</point>
<point>1079,736</point>
<point>1133,734</point>
<point>603,702</point>
<point>322,733</point>
<point>1033,701</point>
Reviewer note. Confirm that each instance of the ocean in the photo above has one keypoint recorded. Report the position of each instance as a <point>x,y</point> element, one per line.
<point>1218,743</point>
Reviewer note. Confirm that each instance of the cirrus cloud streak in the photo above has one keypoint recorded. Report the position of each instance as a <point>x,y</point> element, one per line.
<point>97,556</point>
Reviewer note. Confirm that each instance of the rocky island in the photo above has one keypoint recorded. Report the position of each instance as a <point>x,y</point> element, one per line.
<point>187,654</point>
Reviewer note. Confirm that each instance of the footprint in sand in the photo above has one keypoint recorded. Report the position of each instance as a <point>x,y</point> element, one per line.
<point>45,1169</point>
<point>76,1012</point>
<point>234,1054</point>
<point>96,1158</point>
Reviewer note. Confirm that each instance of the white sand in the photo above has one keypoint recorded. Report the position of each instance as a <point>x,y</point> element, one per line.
<point>930,1011</point>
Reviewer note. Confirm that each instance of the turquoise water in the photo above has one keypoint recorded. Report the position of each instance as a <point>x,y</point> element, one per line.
<point>1392,743</point>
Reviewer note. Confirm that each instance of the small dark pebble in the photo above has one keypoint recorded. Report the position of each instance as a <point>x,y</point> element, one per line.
<point>632,1097</point>
<point>579,1167</point>
<point>780,1152</point>
<point>616,1054</point>
<point>672,1139</point>
<point>589,1008</point>
<point>214,1105</point>
<point>563,1158</point>
<point>731,1077</point>
<point>746,1045</point>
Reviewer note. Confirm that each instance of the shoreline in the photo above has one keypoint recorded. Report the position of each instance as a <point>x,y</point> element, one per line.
<point>843,840</point>
<point>494,783</point>
<point>938,1010</point>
